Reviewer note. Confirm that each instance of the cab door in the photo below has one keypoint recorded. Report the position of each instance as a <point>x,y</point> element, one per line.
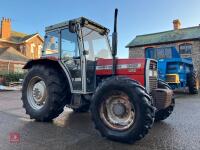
<point>70,57</point>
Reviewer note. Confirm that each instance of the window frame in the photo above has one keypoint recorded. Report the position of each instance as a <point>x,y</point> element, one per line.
<point>104,35</point>
<point>60,42</point>
<point>44,50</point>
<point>181,50</point>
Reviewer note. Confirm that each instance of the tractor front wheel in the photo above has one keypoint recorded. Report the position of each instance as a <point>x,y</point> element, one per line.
<point>164,113</point>
<point>122,110</point>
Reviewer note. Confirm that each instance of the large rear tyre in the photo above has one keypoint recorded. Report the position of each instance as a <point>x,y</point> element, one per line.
<point>45,93</point>
<point>193,82</point>
<point>164,113</point>
<point>122,110</point>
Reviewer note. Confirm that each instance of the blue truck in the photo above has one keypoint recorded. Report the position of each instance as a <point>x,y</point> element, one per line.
<point>178,72</point>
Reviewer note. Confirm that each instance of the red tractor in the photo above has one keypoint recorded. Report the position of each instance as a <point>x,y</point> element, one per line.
<point>79,70</point>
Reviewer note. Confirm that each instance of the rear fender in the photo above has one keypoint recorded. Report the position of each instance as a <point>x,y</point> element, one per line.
<point>54,63</point>
<point>44,61</point>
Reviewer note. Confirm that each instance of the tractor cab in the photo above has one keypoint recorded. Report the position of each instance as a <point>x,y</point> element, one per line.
<point>82,48</point>
<point>77,44</point>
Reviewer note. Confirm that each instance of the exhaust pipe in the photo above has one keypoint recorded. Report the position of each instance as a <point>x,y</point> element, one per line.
<point>114,43</point>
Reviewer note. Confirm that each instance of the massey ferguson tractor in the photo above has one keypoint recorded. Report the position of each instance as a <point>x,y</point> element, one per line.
<point>78,69</point>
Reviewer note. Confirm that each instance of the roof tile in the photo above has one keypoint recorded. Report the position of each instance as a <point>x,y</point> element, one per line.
<point>167,36</point>
<point>9,53</point>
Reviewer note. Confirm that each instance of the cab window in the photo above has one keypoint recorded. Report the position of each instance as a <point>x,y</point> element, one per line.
<point>69,44</point>
<point>51,42</point>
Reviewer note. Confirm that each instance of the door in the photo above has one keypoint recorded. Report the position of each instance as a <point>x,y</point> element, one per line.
<point>97,47</point>
<point>70,57</point>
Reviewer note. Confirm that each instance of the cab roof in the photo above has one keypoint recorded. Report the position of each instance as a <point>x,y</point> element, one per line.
<point>82,20</point>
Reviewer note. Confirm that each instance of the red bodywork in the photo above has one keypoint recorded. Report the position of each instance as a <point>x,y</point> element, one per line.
<point>132,68</point>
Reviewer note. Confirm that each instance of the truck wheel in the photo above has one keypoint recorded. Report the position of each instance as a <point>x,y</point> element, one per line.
<point>122,110</point>
<point>44,93</point>
<point>193,83</point>
<point>164,113</point>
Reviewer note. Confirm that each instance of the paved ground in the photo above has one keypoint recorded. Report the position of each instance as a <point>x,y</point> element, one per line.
<point>180,131</point>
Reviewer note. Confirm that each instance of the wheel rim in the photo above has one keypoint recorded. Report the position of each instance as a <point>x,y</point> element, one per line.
<point>36,93</point>
<point>117,112</point>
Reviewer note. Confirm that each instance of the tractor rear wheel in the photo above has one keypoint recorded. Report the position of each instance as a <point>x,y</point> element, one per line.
<point>164,113</point>
<point>44,93</point>
<point>122,110</point>
<point>193,82</point>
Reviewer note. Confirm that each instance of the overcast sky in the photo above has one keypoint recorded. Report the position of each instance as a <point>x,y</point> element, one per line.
<point>136,17</point>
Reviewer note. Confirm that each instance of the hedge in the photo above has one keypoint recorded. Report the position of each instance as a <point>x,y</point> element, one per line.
<point>6,78</point>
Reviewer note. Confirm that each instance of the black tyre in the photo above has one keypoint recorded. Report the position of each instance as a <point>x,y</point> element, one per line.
<point>45,92</point>
<point>164,113</point>
<point>163,85</point>
<point>193,82</point>
<point>122,110</point>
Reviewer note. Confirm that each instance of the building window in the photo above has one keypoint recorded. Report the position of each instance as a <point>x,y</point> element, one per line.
<point>39,50</point>
<point>185,48</point>
<point>32,50</point>
<point>163,52</point>
<point>22,49</point>
<point>158,53</point>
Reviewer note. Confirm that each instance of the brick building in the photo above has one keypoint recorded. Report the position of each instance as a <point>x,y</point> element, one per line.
<point>11,60</point>
<point>185,40</point>
<point>20,46</point>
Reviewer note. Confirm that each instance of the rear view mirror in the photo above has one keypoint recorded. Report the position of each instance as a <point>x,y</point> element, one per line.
<point>72,26</point>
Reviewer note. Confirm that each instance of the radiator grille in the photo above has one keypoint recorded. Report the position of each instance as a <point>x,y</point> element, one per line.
<point>153,80</point>
<point>153,65</point>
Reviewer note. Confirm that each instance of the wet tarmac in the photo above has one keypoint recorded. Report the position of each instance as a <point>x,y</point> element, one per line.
<point>71,131</point>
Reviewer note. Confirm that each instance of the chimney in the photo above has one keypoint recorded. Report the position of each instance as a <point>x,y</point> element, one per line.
<point>177,24</point>
<point>5,28</point>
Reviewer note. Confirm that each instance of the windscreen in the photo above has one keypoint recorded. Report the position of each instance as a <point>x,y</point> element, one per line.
<point>96,44</point>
